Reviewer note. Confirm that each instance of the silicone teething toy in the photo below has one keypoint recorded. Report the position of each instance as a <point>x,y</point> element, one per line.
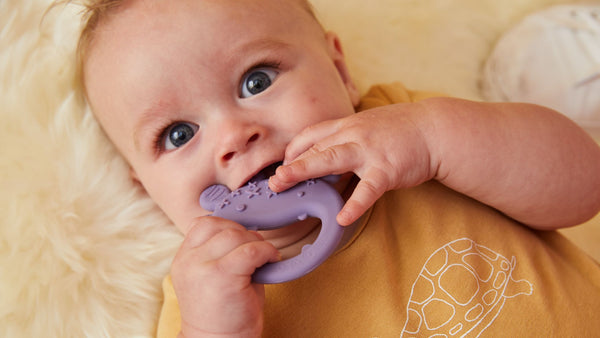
<point>257,207</point>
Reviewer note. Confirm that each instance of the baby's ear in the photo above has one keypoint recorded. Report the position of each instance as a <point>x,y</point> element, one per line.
<point>337,55</point>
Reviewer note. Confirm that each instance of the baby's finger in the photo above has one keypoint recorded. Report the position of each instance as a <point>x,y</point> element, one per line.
<point>226,241</point>
<point>337,159</point>
<point>365,194</point>
<point>204,228</point>
<point>308,137</point>
<point>246,258</point>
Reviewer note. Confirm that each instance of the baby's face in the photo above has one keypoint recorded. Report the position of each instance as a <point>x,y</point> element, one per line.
<point>195,93</point>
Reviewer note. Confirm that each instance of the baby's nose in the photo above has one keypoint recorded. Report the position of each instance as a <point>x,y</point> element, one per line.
<point>236,139</point>
<point>239,147</point>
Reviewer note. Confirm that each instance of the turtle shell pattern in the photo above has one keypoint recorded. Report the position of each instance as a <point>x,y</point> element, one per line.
<point>461,290</point>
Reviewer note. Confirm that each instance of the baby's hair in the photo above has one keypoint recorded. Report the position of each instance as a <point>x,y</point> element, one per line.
<point>92,12</point>
<point>95,11</point>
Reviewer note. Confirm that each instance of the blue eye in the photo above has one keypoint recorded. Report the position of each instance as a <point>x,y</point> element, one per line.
<point>179,134</point>
<point>257,81</point>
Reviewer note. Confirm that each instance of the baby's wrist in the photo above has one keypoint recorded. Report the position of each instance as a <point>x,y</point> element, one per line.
<point>191,332</point>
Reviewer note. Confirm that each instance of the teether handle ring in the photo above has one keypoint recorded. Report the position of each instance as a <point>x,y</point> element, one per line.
<point>311,256</point>
<point>256,207</point>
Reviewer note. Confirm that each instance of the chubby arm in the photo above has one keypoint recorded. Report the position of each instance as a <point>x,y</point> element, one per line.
<point>529,162</point>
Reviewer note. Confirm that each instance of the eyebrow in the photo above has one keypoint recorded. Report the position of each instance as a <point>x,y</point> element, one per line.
<point>268,44</point>
<point>152,115</point>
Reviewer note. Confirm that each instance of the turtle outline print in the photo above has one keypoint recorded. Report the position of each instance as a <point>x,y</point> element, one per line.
<point>438,308</point>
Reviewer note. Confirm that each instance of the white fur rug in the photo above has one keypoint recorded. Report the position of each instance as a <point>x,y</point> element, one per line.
<point>82,250</point>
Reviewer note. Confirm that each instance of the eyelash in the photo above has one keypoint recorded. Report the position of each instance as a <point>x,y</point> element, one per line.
<point>262,64</point>
<point>160,134</point>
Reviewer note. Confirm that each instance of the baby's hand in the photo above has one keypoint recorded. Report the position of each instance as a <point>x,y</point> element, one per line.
<point>384,146</point>
<point>211,275</point>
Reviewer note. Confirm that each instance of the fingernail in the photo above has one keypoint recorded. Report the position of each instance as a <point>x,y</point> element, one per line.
<point>344,218</point>
<point>272,184</point>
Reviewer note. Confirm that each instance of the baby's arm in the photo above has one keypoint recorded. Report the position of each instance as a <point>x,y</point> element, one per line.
<point>527,161</point>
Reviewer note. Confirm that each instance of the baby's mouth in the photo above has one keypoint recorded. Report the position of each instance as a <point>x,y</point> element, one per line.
<point>265,173</point>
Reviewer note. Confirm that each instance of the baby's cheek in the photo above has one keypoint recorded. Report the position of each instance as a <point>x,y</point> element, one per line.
<point>182,215</point>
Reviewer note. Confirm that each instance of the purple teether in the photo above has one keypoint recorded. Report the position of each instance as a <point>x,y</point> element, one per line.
<point>257,207</point>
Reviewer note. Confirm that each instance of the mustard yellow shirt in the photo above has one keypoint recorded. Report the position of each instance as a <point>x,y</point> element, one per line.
<point>428,260</point>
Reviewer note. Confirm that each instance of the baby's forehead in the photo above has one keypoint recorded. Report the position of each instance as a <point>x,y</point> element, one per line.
<point>206,7</point>
<point>131,13</point>
<point>208,30</point>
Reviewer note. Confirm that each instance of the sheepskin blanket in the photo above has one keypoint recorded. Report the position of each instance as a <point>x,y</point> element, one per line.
<point>82,249</point>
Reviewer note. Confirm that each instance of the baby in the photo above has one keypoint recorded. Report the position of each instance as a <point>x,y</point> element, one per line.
<point>443,196</point>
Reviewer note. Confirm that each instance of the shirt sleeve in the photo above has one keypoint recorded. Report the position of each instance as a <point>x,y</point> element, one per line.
<point>169,322</point>
<point>386,94</point>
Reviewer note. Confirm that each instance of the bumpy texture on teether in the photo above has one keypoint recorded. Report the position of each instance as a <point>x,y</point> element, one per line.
<point>257,207</point>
